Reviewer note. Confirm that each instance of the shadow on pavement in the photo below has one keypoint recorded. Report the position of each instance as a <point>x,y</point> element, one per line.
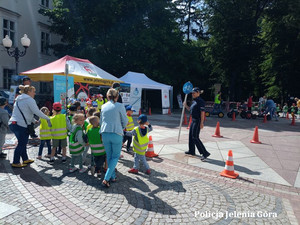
<point>236,167</point>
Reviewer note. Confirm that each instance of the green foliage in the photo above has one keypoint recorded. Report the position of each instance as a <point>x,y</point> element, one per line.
<point>249,46</point>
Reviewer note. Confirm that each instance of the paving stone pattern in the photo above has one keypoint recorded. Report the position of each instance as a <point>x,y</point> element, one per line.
<point>175,193</point>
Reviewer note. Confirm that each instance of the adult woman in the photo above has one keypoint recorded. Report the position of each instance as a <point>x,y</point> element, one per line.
<point>113,121</point>
<point>197,112</point>
<point>25,108</point>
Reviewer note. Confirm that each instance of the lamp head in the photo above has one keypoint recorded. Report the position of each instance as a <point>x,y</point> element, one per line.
<point>7,43</point>
<point>25,41</point>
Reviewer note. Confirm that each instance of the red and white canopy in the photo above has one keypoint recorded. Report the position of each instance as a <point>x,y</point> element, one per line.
<point>82,70</point>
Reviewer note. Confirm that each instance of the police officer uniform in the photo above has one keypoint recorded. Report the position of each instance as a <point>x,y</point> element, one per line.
<point>198,105</point>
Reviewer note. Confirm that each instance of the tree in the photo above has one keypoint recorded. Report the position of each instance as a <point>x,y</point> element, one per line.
<point>233,47</point>
<point>281,37</point>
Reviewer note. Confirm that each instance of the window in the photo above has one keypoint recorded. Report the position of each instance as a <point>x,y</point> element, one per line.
<point>7,78</point>
<point>45,3</point>
<point>9,29</point>
<point>45,42</point>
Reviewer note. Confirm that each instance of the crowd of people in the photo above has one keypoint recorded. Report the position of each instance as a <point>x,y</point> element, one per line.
<point>102,128</point>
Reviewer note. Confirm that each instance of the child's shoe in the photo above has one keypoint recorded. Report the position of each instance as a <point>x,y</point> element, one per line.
<point>28,161</point>
<point>72,169</point>
<point>132,170</point>
<point>148,171</point>
<point>82,170</point>
<point>19,165</point>
<point>93,170</point>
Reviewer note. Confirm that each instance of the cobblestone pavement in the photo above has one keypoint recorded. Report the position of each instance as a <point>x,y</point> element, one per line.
<point>174,193</point>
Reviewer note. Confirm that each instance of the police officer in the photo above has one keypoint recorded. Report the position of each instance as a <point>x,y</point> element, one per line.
<point>197,111</point>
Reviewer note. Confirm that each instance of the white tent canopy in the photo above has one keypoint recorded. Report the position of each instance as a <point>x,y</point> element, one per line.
<point>139,81</point>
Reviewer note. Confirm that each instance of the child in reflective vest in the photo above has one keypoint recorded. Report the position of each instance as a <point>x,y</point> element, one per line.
<point>97,147</point>
<point>77,144</point>
<point>285,109</point>
<point>45,134</point>
<point>59,132</point>
<point>140,143</point>
<point>129,127</point>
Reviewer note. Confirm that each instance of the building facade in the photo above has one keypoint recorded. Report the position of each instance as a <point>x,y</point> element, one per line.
<point>19,17</point>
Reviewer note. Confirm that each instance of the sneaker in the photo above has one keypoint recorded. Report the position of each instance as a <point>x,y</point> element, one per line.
<point>203,158</point>
<point>3,155</point>
<point>189,153</point>
<point>39,157</point>
<point>72,169</point>
<point>51,162</point>
<point>148,171</point>
<point>28,161</point>
<point>93,170</point>
<point>132,170</point>
<point>64,160</point>
<point>82,170</point>
<point>19,165</point>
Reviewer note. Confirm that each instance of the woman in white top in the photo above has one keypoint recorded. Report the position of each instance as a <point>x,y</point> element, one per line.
<point>25,108</point>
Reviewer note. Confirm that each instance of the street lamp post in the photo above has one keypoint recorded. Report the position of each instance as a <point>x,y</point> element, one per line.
<point>16,53</point>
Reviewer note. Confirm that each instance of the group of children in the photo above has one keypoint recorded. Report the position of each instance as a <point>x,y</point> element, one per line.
<point>83,133</point>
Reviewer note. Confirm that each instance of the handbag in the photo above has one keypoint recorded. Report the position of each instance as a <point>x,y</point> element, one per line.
<point>30,127</point>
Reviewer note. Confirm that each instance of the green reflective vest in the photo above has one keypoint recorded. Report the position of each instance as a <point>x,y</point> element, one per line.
<point>45,130</point>
<point>97,147</point>
<point>140,145</point>
<point>75,147</point>
<point>217,100</point>
<point>59,126</point>
<point>130,124</point>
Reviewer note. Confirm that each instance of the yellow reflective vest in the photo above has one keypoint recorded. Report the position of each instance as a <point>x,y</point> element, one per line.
<point>130,124</point>
<point>45,130</point>
<point>140,143</point>
<point>100,103</point>
<point>59,126</point>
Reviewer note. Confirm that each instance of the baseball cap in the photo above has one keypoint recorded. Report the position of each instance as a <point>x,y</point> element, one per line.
<point>129,107</point>
<point>196,89</point>
<point>2,101</point>
<point>143,118</point>
<point>57,106</point>
<point>26,79</point>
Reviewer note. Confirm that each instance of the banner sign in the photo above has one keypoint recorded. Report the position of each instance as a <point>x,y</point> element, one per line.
<point>135,98</point>
<point>59,84</point>
<point>165,101</point>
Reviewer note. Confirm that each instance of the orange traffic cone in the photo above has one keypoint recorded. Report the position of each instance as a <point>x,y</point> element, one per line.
<point>217,133</point>
<point>149,113</point>
<point>293,120</point>
<point>169,111</point>
<point>229,167</point>
<point>150,152</point>
<point>255,139</point>
<point>265,118</point>
<point>287,115</point>
<point>233,116</point>
<point>185,120</point>
<point>189,123</point>
<point>140,112</point>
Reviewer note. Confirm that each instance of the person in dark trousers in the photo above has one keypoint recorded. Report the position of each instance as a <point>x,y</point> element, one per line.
<point>197,110</point>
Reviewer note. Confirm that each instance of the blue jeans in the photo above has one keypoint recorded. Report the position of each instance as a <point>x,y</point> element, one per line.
<point>48,142</point>
<point>112,144</point>
<point>22,136</point>
<point>272,112</point>
<point>137,159</point>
